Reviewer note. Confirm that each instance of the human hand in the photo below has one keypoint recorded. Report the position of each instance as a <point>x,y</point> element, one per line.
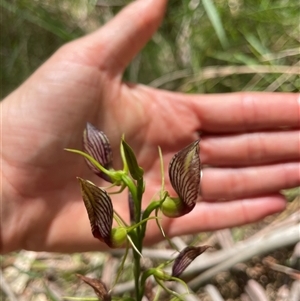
<point>250,141</point>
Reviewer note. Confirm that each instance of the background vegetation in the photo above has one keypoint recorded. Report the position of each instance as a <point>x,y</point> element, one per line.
<point>202,46</point>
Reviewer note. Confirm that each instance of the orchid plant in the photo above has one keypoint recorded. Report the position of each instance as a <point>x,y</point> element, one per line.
<point>185,176</point>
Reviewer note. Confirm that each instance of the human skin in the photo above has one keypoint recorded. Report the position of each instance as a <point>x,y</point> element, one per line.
<point>248,156</point>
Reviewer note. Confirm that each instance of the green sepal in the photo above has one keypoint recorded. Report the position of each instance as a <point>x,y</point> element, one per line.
<point>116,176</point>
<point>135,170</point>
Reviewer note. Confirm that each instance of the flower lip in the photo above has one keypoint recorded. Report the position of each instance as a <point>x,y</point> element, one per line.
<point>185,175</point>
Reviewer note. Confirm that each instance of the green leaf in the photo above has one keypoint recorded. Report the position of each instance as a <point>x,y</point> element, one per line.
<point>215,19</point>
<point>135,170</point>
<point>256,44</point>
<point>39,17</point>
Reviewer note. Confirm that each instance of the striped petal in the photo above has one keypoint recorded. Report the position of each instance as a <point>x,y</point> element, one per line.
<point>99,208</point>
<point>184,174</point>
<point>96,144</point>
<point>185,257</point>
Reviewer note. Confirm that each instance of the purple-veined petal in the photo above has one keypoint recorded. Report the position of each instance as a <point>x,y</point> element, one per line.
<point>185,257</point>
<point>99,208</point>
<point>184,174</point>
<point>96,144</point>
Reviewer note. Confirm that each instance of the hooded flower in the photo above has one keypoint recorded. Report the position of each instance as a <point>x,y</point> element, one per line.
<point>96,144</point>
<point>100,212</point>
<point>185,258</point>
<point>184,174</point>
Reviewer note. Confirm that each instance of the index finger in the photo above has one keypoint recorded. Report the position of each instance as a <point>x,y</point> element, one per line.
<point>247,111</point>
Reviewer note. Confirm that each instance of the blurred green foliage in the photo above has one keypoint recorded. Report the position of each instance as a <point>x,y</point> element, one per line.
<point>202,46</point>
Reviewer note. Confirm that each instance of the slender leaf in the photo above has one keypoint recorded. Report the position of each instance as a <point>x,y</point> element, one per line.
<point>215,19</point>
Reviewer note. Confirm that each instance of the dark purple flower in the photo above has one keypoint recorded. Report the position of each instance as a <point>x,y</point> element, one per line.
<point>185,257</point>
<point>100,212</point>
<point>96,144</point>
<point>184,174</point>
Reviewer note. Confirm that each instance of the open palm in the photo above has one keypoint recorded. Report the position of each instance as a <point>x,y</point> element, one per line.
<point>248,158</point>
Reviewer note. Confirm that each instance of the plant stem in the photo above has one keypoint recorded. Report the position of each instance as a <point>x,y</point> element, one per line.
<point>139,240</point>
<point>137,269</point>
<point>151,207</point>
<point>136,191</point>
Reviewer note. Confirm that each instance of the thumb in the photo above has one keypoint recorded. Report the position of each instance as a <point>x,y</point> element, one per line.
<point>113,46</point>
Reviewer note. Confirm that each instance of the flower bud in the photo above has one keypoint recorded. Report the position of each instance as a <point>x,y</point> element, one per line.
<point>96,144</point>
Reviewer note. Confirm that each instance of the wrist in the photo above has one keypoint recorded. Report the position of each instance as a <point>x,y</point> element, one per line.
<point>10,221</point>
<point>10,234</point>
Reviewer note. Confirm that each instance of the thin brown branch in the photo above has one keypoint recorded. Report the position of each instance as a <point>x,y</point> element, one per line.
<point>255,291</point>
<point>220,71</point>
<point>243,251</point>
<point>6,288</point>
<point>213,292</point>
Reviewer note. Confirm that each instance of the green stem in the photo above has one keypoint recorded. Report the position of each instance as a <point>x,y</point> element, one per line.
<point>154,205</point>
<point>137,269</point>
<point>90,158</point>
<point>136,193</point>
<point>137,225</point>
<point>144,277</point>
<point>80,298</point>
<point>140,238</point>
<point>160,283</point>
<point>151,207</point>
<point>120,269</point>
<point>119,219</point>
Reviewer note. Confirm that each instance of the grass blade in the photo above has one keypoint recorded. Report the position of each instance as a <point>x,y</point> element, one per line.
<point>215,19</point>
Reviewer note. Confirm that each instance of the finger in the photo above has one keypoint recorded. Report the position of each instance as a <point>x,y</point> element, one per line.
<point>70,232</point>
<point>250,111</point>
<point>240,112</point>
<point>114,45</point>
<point>229,183</point>
<point>250,149</point>
<point>213,216</point>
